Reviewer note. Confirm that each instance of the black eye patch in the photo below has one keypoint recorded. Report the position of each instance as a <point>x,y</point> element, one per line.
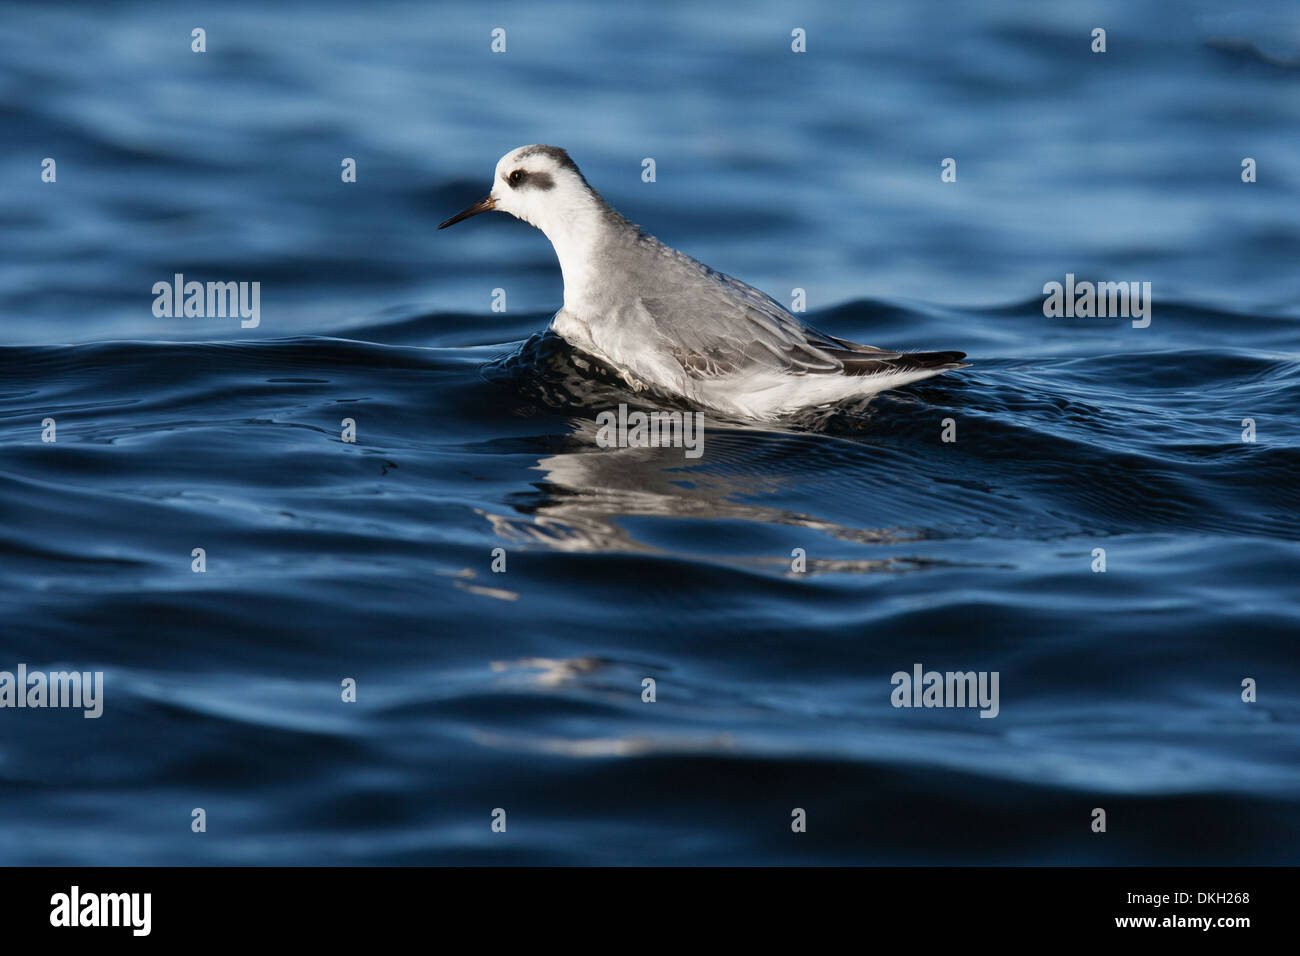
<point>520,177</point>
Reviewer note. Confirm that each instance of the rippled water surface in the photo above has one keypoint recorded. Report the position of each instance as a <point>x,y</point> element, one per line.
<point>475,431</point>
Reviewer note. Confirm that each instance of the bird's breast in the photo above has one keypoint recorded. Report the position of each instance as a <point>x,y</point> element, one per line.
<point>572,329</point>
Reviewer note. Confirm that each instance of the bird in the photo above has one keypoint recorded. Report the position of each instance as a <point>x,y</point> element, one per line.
<point>666,322</point>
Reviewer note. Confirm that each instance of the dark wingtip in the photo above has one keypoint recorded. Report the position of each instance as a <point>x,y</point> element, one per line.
<point>934,359</point>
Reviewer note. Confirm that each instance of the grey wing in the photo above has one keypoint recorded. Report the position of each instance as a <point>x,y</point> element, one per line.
<point>722,326</point>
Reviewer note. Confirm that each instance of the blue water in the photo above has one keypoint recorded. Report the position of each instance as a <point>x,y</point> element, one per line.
<point>521,690</point>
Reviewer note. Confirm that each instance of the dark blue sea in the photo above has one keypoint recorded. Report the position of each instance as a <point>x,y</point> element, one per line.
<point>1172,450</point>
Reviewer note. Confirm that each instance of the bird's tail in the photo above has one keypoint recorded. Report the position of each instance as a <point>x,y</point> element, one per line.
<point>932,362</point>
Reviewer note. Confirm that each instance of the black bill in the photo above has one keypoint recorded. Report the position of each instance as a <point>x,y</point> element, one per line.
<point>483,205</point>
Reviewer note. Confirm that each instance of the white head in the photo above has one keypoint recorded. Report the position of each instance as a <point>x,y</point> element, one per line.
<point>542,186</point>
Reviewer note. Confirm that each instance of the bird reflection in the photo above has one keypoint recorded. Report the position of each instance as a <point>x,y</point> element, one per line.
<point>583,496</point>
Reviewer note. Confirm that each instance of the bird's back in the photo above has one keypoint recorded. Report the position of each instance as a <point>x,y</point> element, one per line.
<point>675,322</point>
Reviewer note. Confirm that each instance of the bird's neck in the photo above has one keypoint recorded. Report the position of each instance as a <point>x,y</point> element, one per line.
<point>581,233</point>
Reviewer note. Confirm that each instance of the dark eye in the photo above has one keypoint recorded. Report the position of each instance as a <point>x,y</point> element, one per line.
<point>515,178</point>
